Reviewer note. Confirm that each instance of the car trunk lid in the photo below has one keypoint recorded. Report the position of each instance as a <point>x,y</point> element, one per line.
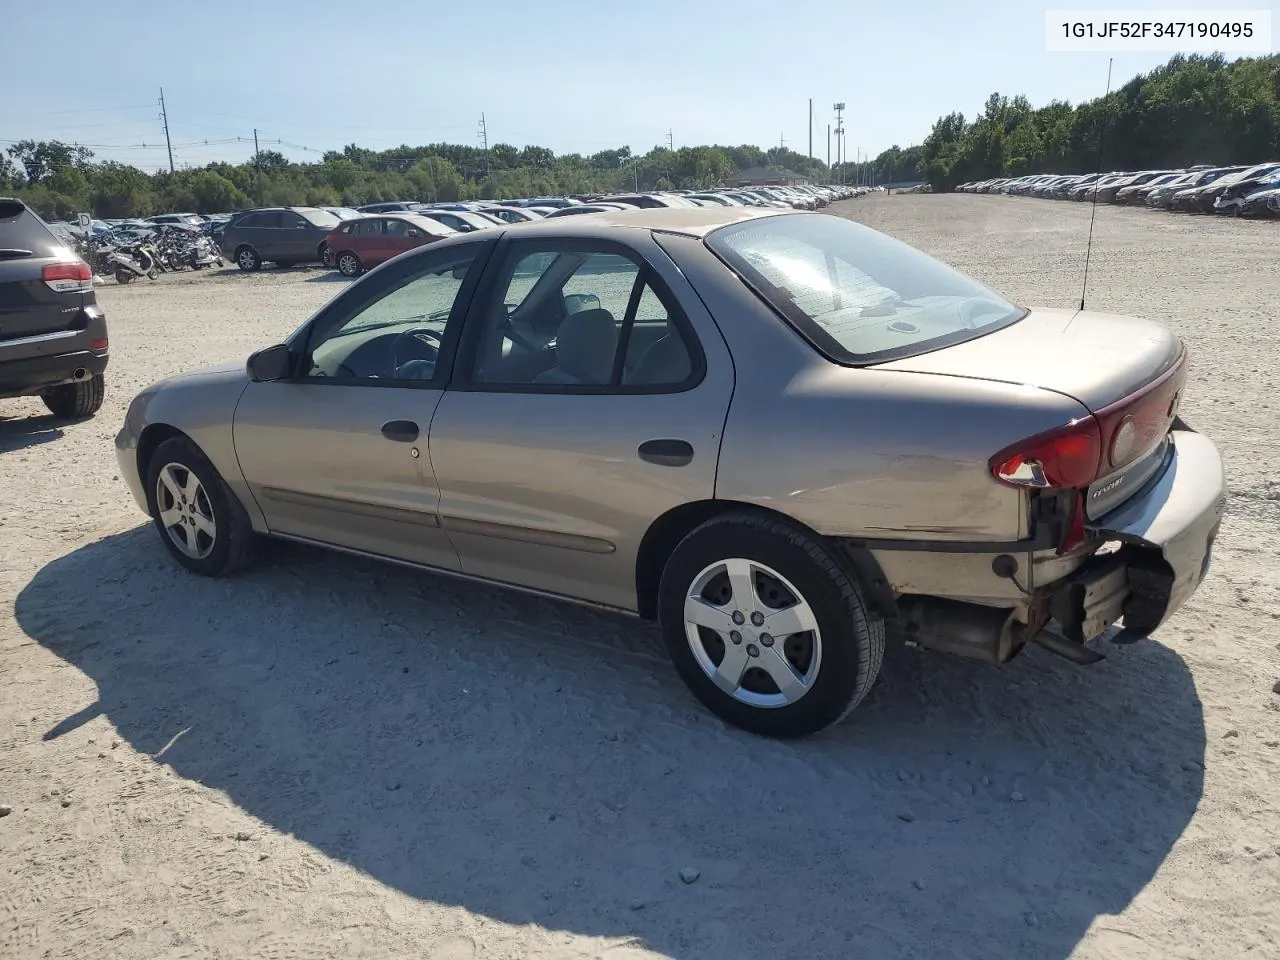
<point>1129,373</point>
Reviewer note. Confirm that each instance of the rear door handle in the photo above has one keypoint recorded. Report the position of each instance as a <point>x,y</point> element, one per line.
<point>402,431</point>
<point>666,453</point>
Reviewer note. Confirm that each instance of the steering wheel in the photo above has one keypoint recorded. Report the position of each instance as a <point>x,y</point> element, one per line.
<point>423,347</point>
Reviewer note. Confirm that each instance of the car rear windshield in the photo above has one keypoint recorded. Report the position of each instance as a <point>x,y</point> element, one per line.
<point>21,231</point>
<point>857,295</point>
<point>320,218</point>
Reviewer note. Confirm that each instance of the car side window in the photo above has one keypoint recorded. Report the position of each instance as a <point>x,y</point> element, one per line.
<point>289,220</point>
<point>397,337</point>
<point>579,318</point>
<point>370,228</point>
<point>396,228</point>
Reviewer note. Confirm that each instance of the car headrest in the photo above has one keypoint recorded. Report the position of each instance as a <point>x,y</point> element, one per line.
<point>585,345</point>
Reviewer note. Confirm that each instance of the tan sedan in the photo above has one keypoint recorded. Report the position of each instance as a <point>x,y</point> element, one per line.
<point>779,434</point>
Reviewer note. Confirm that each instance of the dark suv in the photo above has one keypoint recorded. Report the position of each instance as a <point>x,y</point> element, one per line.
<point>282,235</point>
<point>53,334</point>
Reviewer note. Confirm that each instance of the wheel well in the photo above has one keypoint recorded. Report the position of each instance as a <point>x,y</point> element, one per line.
<point>246,246</point>
<point>152,436</point>
<point>668,530</point>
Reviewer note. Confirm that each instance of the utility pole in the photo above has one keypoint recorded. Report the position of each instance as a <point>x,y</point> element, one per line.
<point>257,165</point>
<point>782,143</point>
<point>828,149</point>
<point>484,139</point>
<point>839,109</point>
<point>164,116</point>
<point>811,128</point>
<point>670,141</point>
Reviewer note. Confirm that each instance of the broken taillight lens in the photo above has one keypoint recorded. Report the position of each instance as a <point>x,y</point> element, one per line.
<point>1068,457</point>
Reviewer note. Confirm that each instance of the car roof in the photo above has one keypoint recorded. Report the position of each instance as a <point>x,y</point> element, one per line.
<point>687,221</point>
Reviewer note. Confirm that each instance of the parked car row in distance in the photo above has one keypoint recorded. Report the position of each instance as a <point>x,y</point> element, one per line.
<point>1249,190</point>
<point>356,240</point>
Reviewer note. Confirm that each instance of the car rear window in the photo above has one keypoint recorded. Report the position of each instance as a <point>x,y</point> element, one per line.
<point>21,229</point>
<point>857,295</point>
<point>320,218</point>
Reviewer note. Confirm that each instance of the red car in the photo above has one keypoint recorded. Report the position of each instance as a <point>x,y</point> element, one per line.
<point>360,245</point>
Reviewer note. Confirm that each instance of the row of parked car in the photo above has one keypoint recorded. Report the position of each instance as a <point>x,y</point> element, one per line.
<point>355,240</point>
<point>1237,190</point>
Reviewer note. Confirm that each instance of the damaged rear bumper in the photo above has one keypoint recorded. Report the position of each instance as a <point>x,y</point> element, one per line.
<point>1165,535</point>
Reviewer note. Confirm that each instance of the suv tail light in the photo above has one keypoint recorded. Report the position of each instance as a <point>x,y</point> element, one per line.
<point>74,276</point>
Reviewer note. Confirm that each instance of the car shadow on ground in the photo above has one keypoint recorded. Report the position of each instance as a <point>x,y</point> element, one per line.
<point>536,762</point>
<point>18,433</point>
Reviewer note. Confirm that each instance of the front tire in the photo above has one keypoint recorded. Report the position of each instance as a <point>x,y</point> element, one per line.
<point>198,518</point>
<point>326,255</point>
<point>80,399</point>
<point>766,628</point>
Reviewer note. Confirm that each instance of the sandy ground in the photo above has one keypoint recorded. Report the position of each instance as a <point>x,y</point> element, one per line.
<point>331,758</point>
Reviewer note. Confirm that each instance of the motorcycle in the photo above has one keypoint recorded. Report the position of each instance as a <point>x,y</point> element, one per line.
<point>131,263</point>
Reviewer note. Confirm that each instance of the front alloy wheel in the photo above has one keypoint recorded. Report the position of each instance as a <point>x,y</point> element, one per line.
<point>184,511</point>
<point>200,520</point>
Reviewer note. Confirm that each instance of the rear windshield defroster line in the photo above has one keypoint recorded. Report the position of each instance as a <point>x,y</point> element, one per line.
<point>858,296</point>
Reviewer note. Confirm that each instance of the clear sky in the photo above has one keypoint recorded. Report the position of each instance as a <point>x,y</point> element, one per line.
<point>570,75</point>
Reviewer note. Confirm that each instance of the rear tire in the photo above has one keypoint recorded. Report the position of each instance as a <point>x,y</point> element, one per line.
<point>80,399</point>
<point>247,259</point>
<point>349,264</point>
<point>828,669</point>
<point>230,548</point>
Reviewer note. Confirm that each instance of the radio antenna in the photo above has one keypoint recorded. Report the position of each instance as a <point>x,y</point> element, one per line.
<point>1093,207</point>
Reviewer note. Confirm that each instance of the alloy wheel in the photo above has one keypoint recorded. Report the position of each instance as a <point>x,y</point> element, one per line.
<point>753,633</point>
<point>185,511</point>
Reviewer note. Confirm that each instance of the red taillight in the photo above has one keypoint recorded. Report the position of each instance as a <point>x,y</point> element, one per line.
<point>68,277</point>
<point>98,344</point>
<point>1060,459</point>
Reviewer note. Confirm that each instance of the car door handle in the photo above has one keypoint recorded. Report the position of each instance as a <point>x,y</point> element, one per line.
<point>666,453</point>
<point>403,431</point>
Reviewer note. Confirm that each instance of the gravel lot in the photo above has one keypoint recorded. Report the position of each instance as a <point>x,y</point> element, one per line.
<point>327,757</point>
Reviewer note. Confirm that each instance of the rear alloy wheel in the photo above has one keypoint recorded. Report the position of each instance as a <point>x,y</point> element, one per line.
<point>80,399</point>
<point>247,259</point>
<point>766,628</point>
<point>349,265</point>
<point>199,519</point>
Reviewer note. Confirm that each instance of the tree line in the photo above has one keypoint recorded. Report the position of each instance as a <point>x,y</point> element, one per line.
<point>60,180</point>
<point>1190,110</point>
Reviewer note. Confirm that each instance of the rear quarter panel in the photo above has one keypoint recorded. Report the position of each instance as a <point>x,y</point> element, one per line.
<point>864,452</point>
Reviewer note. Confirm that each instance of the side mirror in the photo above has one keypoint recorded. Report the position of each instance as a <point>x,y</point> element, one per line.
<point>273,363</point>
<point>577,302</point>
<point>413,234</point>
<point>460,271</point>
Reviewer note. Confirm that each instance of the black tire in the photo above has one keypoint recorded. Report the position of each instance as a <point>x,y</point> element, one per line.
<point>247,258</point>
<point>326,256</point>
<point>80,399</point>
<point>234,539</point>
<point>852,647</point>
<point>122,275</point>
<point>349,264</point>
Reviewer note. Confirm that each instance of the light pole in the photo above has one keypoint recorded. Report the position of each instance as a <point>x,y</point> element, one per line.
<point>839,109</point>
